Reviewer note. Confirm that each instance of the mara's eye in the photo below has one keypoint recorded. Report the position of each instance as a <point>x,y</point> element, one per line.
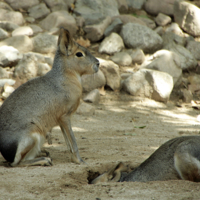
<point>79,54</point>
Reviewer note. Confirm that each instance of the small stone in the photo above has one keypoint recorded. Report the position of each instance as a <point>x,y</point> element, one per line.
<point>92,97</point>
<point>85,109</point>
<point>122,58</point>
<point>162,19</point>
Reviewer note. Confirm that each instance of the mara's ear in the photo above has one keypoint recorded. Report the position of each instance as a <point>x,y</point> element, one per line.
<point>65,42</point>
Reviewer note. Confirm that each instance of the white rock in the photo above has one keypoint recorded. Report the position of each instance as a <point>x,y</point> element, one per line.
<point>23,30</point>
<point>9,56</point>
<point>149,83</point>
<point>111,73</point>
<point>187,16</point>
<point>122,58</point>
<point>165,61</point>
<point>111,44</point>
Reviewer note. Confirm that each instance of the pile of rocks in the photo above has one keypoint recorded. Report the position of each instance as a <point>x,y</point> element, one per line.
<point>161,37</point>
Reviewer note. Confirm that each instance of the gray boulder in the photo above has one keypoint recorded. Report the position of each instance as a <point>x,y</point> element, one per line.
<point>137,55</point>
<point>162,19</point>
<point>138,36</point>
<point>149,83</point>
<point>22,43</point>
<point>92,97</point>
<point>187,16</point>
<point>111,44</point>
<point>94,11</point>
<point>93,81</point>
<point>121,58</point>
<point>115,26</point>
<point>129,19</point>
<point>3,34</point>
<point>187,60</point>
<point>45,43</point>
<point>165,61</point>
<point>149,22</point>
<point>38,11</point>
<point>135,4</point>
<point>85,109</point>
<point>8,26</point>
<point>156,6</point>
<point>55,5</point>
<point>111,73</point>
<point>22,4</point>
<point>3,73</point>
<point>26,68</point>
<point>194,48</point>
<point>11,16</point>
<point>43,68</point>
<point>95,32</point>
<point>9,56</point>
<point>36,29</point>
<point>57,19</point>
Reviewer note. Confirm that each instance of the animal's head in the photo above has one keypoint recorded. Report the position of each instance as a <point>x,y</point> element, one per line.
<point>113,175</point>
<point>75,56</point>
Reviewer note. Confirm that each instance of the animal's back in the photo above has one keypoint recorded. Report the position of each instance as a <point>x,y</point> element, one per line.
<point>160,165</point>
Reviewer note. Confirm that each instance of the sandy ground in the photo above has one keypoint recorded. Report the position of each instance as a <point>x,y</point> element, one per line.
<point>109,136</point>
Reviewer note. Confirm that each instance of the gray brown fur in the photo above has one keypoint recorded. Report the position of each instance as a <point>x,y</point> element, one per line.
<point>34,108</point>
<point>178,158</point>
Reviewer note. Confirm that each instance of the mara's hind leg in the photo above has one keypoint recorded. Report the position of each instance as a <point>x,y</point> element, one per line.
<point>186,161</point>
<point>28,148</point>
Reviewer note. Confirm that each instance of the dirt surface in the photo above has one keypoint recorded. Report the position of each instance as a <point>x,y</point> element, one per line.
<point>124,128</point>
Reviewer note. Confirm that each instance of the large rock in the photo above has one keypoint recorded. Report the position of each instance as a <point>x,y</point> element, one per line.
<point>165,61</point>
<point>111,72</point>
<point>5,6</point>
<point>187,60</point>
<point>22,4</point>
<point>129,19</point>
<point>115,26</point>
<point>58,19</point>
<point>162,19</point>
<point>27,68</point>
<point>9,56</point>
<point>45,43</point>
<point>95,32</point>
<point>121,58</point>
<point>111,44</point>
<point>23,30</point>
<point>3,73</point>
<point>55,5</point>
<point>3,34</point>
<point>38,11</point>
<point>11,16</point>
<point>135,4</point>
<point>187,16</point>
<point>93,81</point>
<point>138,36</point>
<point>156,6</point>
<point>94,11</point>
<point>149,83</point>
<point>22,42</point>
<point>137,55</point>
<point>92,97</point>
<point>194,48</point>
<point>8,26</point>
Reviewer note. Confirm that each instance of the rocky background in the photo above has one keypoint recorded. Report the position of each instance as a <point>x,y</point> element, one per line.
<point>148,48</point>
